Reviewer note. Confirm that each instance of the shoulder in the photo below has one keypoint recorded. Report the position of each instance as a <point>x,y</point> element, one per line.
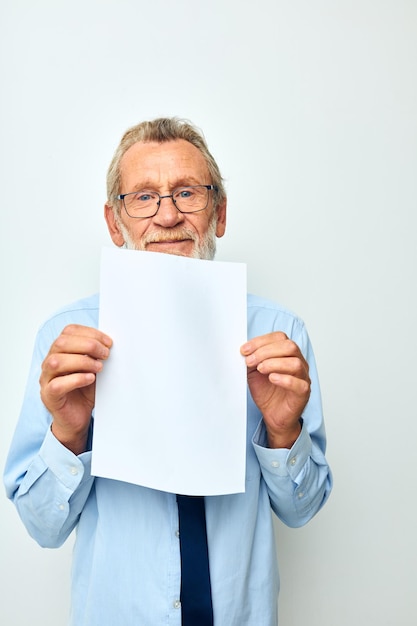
<point>84,312</point>
<point>266,316</point>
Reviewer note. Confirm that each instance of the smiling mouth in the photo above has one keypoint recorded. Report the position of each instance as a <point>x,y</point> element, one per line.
<point>167,241</point>
<point>170,246</point>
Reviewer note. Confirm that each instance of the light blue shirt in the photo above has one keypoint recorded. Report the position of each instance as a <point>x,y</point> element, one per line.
<point>126,563</point>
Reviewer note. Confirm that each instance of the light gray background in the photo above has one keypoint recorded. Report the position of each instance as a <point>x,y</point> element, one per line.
<point>310,109</point>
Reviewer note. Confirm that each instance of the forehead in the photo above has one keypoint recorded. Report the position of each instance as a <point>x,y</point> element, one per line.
<point>163,164</point>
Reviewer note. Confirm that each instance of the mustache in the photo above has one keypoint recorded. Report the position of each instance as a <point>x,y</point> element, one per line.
<point>177,234</point>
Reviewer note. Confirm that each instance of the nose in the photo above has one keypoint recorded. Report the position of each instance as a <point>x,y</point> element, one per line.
<point>168,214</point>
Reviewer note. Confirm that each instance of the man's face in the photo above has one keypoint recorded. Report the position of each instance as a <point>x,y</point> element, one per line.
<point>163,167</point>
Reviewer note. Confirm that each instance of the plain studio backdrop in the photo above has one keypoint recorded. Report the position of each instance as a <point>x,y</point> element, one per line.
<point>310,109</point>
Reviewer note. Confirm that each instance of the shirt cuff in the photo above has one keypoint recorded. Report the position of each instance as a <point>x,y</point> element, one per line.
<point>65,465</point>
<point>281,461</point>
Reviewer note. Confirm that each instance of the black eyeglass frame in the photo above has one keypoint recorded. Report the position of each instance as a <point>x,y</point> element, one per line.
<point>171,195</point>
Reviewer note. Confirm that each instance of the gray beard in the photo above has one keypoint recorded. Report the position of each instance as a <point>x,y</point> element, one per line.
<point>204,248</point>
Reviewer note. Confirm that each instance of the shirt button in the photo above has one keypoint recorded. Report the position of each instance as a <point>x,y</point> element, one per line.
<point>293,460</point>
<point>177,604</point>
<point>177,533</point>
<point>275,463</point>
<point>301,494</point>
<point>61,507</point>
<point>74,471</point>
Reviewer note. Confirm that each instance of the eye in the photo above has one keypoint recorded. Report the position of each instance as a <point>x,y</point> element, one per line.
<point>185,193</point>
<point>144,196</point>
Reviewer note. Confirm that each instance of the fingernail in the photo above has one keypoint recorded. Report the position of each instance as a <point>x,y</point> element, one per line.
<point>246,348</point>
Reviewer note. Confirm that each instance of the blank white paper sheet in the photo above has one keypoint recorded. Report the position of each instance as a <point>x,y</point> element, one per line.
<point>170,408</point>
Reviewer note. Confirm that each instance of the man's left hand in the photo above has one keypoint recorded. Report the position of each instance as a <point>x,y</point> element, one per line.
<point>279,382</point>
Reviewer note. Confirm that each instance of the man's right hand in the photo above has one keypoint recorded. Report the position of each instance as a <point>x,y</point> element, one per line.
<point>68,382</point>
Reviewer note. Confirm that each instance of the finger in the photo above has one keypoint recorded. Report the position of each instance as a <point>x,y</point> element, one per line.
<point>88,331</point>
<point>292,366</point>
<point>297,386</point>
<point>58,388</point>
<point>56,365</point>
<point>80,344</point>
<point>257,342</point>
<point>283,348</point>
<point>55,395</point>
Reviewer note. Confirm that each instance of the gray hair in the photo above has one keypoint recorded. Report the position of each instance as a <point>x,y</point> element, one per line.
<point>162,130</point>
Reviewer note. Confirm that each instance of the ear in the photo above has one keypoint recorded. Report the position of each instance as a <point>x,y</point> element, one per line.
<point>221,218</point>
<point>113,226</point>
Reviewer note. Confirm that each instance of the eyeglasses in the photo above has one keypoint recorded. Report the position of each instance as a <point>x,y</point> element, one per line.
<point>146,203</point>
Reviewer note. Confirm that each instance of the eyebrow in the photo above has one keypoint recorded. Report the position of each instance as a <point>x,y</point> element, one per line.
<point>180,182</point>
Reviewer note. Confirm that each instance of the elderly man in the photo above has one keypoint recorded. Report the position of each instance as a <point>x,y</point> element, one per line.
<point>140,558</point>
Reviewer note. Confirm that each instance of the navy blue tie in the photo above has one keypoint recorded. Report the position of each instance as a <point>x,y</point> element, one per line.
<point>196,604</point>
